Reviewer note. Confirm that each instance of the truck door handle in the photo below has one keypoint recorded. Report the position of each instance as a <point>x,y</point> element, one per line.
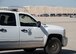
<point>24,30</point>
<point>3,30</point>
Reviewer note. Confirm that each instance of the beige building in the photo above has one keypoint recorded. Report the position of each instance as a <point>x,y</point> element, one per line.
<point>66,21</point>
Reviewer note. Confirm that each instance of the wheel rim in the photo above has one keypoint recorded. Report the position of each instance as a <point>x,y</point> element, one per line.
<point>54,47</point>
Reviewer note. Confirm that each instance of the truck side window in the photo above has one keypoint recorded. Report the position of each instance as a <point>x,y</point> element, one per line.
<point>26,20</point>
<point>7,19</point>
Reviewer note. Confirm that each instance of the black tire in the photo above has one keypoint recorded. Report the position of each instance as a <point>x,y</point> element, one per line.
<point>53,46</point>
<point>29,50</point>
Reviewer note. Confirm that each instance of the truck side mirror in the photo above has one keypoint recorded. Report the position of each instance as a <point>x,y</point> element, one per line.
<point>38,23</point>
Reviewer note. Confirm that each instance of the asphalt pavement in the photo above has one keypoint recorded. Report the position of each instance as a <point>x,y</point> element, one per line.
<point>64,51</point>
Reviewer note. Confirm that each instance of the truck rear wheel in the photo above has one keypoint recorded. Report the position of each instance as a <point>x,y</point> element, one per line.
<point>53,46</point>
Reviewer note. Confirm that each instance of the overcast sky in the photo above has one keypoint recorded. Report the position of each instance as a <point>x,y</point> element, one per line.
<point>60,3</point>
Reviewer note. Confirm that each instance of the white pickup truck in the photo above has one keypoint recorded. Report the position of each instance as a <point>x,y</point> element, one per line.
<point>20,30</point>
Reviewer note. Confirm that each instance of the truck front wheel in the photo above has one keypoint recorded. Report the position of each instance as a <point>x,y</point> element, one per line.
<point>53,46</point>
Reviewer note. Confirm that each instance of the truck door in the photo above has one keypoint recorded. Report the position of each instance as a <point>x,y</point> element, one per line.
<point>9,31</point>
<point>30,34</point>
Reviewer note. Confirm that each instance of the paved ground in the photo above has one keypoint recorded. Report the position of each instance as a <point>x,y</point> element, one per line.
<point>65,51</point>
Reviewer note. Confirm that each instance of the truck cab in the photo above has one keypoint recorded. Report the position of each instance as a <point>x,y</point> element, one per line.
<point>20,30</point>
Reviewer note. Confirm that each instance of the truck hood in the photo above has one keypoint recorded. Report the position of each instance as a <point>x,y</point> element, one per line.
<point>53,29</point>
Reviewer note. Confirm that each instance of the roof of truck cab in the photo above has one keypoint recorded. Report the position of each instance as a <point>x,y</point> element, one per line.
<point>12,11</point>
<point>16,12</point>
<point>6,11</point>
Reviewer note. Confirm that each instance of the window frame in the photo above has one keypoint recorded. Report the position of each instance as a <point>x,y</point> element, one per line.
<point>6,13</point>
<point>28,16</point>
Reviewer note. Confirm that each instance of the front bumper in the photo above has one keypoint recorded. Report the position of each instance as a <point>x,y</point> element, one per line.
<point>64,41</point>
